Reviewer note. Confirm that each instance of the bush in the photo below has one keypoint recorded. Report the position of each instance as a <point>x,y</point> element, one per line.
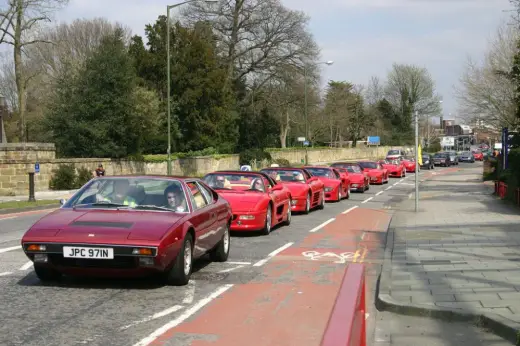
<point>282,162</point>
<point>247,157</point>
<point>64,178</point>
<point>84,176</point>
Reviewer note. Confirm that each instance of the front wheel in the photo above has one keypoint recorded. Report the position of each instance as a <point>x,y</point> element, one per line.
<point>268,221</point>
<point>289,214</point>
<point>322,204</point>
<point>180,272</point>
<point>46,274</point>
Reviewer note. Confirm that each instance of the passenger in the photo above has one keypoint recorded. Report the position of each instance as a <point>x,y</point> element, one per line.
<point>257,185</point>
<point>175,198</point>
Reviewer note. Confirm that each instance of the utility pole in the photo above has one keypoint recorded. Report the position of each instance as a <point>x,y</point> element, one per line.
<point>416,161</point>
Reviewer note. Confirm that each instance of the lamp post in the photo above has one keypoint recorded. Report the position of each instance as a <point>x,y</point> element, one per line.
<point>168,8</point>
<point>330,62</point>
<point>3,109</point>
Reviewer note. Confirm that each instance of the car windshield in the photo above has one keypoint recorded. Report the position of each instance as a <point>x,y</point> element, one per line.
<point>160,194</point>
<point>235,181</point>
<point>369,165</point>
<point>390,162</point>
<point>466,153</point>
<point>321,172</point>
<point>440,155</point>
<point>394,152</point>
<point>353,169</point>
<point>287,175</point>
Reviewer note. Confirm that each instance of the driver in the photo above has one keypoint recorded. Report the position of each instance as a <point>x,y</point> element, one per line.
<point>220,181</point>
<point>257,185</point>
<point>119,196</point>
<point>175,198</point>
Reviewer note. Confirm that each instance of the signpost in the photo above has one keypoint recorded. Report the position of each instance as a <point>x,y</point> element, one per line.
<point>373,140</point>
<point>416,161</point>
<point>36,167</point>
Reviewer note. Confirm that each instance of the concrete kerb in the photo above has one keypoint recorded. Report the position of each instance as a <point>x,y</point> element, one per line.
<point>21,210</point>
<point>495,323</point>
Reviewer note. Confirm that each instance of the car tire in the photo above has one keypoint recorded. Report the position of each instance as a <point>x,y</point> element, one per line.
<point>339,194</point>
<point>322,203</point>
<point>289,214</point>
<point>46,274</point>
<point>348,193</point>
<point>221,252</point>
<point>268,221</point>
<point>180,273</point>
<point>308,204</point>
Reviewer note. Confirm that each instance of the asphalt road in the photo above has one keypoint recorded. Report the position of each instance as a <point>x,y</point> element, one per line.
<point>101,312</point>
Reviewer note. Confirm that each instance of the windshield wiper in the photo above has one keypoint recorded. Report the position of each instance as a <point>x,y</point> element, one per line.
<point>153,207</point>
<point>100,204</point>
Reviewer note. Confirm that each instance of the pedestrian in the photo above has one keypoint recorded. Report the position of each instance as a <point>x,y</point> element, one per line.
<point>100,171</point>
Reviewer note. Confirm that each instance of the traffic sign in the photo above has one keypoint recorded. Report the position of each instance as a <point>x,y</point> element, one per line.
<point>374,140</point>
<point>306,143</point>
<point>36,167</point>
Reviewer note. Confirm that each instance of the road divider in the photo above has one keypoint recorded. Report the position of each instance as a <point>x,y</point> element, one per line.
<point>350,209</point>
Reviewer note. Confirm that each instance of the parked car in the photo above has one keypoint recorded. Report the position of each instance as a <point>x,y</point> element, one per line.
<point>307,191</point>
<point>359,181</point>
<point>131,226</point>
<point>442,159</point>
<point>258,202</point>
<point>337,186</point>
<point>427,161</point>
<point>466,156</point>
<point>377,173</point>
<point>478,155</point>
<point>454,158</point>
<point>409,164</point>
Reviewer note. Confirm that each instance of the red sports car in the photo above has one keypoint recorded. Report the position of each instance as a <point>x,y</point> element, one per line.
<point>131,226</point>
<point>307,192</point>
<point>395,168</point>
<point>359,181</point>
<point>377,173</point>
<point>257,201</point>
<point>478,155</point>
<point>409,164</point>
<point>337,185</point>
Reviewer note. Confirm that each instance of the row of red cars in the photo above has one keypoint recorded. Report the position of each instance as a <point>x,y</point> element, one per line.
<point>141,225</point>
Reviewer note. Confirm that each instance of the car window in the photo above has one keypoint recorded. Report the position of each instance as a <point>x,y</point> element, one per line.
<point>207,193</point>
<point>336,174</point>
<point>368,164</point>
<point>321,172</point>
<point>198,197</point>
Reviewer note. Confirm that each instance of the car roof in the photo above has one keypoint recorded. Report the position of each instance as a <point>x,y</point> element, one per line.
<point>139,176</point>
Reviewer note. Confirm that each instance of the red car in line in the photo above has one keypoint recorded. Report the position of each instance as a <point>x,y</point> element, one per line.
<point>307,192</point>
<point>409,164</point>
<point>359,181</point>
<point>337,185</point>
<point>375,171</point>
<point>126,226</point>
<point>258,202</point>
<point>395,168</point>
<point>478,155</point>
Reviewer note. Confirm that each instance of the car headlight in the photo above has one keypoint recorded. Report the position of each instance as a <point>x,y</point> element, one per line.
<point>328,189</point>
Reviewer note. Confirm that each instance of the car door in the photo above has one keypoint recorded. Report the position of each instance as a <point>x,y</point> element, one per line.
<point>345,181</point>
<point>218,215</point>
<point>316,186</point>
<point>202,219</point>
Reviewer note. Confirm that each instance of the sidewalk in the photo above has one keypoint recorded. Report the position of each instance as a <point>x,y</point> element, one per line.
<point>40,195</point>
<point>457,258</point>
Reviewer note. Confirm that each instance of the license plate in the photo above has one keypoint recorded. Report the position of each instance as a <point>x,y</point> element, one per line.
<point>88,252</point>
<point>354,185</point>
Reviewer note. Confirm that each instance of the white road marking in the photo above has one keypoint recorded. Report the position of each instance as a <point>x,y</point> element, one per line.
<point>349,210</point>
<point>380,192</point>
<point>160,314</point>
<point>388,188</point>
<point>366,315</point>
<point>400,181</point>
<point>188,313</point>
<point>408,184</point>
<point>190,293</point>
<point>231,269</point>
<point>368,199</point>
<point>7,218</point>
<point>238,263</point>
<point>12,248</point>
<point>5,273</point>
<point>317,228</point>
<point>26,265</point>
<point>272,254</point>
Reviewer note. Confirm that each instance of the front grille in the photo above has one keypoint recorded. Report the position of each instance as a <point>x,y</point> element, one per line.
<point>119,262</point>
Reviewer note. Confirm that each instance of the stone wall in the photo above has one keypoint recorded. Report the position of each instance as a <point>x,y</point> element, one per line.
<point>17,160</point>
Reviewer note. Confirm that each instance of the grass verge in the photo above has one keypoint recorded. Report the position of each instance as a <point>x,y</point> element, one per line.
<point>27,204</point>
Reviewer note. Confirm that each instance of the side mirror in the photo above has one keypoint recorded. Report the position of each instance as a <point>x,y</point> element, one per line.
<point>63,201</point>
<point>277,187</point>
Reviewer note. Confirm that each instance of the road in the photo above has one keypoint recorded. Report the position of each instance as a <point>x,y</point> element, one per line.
<point>101,312</point>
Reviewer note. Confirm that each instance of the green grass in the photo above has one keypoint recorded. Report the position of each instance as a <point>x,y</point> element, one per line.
<point>26,204</point>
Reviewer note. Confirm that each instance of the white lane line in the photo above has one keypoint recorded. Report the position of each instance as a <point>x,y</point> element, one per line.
<point>272,254</point>
<point>26,265</point>
<point>5,273</point>
<point>388,188</point>
<point>395,184</point>
<point>7,218</point>
<point>231,269</point>
<point>190,293</point>
<point>188,313</point>
<point>317,228</point>
<point>12,248</point>
<point>238,263</point>
<point>349,210</point>
<point>400,181</point>
<point>380,192</point>
<point>363,236</point>
<point>163,313</point>
<point>368,199</point>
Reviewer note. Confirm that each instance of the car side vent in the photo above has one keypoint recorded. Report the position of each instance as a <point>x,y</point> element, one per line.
<point>103,224</point>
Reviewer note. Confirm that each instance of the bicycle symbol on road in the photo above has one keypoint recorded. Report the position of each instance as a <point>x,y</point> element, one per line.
<point>339,258</point>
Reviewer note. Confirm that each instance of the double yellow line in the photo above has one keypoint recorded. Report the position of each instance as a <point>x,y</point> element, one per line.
<point>360,253</point>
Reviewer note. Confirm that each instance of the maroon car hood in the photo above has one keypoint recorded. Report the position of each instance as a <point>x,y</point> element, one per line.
<point>106,225</point>
<point>241,201</point>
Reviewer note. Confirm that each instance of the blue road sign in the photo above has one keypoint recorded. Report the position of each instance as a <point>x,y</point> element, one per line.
<point>36,167</point>
<point>373,140</point>
<point>306,143</point>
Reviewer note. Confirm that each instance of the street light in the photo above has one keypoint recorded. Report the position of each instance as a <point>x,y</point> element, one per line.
<point>330,62</point>
<point>168,8</point>
<point>3,109</point>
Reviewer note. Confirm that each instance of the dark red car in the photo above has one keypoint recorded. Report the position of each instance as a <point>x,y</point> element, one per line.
<point>337,185</point>
<point>359,181</point>
<point>307,192</point>
<point>258,203</point>
<point>131,226</point>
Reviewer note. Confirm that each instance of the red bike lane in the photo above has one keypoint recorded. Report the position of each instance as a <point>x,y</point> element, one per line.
<point>291,301</point>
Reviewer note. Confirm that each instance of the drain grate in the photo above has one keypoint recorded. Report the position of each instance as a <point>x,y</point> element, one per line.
<point>436,262</point>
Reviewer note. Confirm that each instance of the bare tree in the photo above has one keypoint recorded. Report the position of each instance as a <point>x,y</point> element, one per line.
<point>485,92</point>
<point>411,88</point>
<point>375,91</point>
<point>19,30</point>
<point>255,35</point>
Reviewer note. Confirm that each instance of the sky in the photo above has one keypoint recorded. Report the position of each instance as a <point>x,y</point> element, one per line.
<point>363,37</point>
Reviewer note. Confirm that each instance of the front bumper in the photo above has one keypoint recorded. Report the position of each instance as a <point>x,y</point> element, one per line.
<point>248,221</point>
<point>332,195</point>
<point>395,174</point>
<point>376,179</point>
<point>357,186</point>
